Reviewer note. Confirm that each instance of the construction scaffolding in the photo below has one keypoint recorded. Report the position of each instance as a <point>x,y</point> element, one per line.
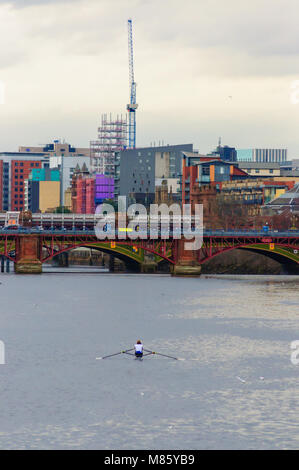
<point>112,137</point>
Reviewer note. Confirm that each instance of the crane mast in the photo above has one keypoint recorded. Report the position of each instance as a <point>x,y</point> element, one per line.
<point>133,105</point>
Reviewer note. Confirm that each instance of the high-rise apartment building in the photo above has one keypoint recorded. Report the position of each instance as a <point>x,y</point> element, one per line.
<point>14,170</point>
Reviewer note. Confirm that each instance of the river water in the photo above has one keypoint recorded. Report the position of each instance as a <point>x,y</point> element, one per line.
<point>235,386</point>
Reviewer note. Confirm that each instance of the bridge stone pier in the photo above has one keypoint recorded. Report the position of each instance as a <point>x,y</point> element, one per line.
<point>149,265</point>
<point>27,255</point>
<point>187,263</point>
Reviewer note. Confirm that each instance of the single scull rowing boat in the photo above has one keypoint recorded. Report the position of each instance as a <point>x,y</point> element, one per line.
<point>148,353</point>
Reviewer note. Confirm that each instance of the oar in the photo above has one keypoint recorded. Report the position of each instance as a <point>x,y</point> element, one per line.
<point>159,354</point>
<point>115,354</point>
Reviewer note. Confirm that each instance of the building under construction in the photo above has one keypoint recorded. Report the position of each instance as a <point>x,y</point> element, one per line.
<point>112,137</point>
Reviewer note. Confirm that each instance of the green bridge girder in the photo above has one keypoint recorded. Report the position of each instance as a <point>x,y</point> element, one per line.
<point>133,252</point>
<point>279,250</point>
<point>268,248</point>
<point>136,253</point>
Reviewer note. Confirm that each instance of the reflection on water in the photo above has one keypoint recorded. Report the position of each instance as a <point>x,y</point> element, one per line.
<point>236,387</point>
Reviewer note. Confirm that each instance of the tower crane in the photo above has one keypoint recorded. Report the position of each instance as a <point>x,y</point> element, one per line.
<point>133,105</point>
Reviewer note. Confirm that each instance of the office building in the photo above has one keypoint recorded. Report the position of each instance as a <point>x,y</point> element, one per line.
<point>57,149</point>
<point>14,170</point>
<point>211,173</point>
<point>67,166</point>
<point>262,155</point>
<point>42,190</point>
<point>136,170</point>
<point>225,153</point>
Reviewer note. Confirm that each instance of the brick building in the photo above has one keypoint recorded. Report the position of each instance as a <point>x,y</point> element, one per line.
<point>14,170</point>
<point>20,171</point>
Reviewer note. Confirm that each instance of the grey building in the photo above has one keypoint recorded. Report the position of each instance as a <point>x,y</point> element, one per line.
<point>290,165</point>
<point>136,170</point>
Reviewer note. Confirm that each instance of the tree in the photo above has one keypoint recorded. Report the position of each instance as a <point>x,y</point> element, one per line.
<point>62,210</point>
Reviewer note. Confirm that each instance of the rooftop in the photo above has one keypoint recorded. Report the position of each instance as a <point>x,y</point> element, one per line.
<point>290,199</point>
<point>258,165</point>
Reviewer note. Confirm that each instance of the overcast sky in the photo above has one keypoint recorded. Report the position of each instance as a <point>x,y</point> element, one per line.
<point>204,69</point>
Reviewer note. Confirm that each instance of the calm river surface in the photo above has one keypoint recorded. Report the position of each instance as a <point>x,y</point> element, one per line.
<point>235,389</point>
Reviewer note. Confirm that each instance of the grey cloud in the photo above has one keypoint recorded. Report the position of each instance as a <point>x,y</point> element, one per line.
<point>28,3</point>
<point>258,27</point>
<point>227,38</point>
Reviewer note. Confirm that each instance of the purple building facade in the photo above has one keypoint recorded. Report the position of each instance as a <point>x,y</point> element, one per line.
<point>104,188</point>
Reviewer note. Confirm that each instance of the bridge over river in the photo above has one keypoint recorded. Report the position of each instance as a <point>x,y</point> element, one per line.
<point>49,235</point>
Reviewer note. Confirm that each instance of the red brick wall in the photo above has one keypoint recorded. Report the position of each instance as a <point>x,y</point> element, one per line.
<point>20,171</point>
<point>1,185</point>
<point>90,195</point>
<point>83,202</point>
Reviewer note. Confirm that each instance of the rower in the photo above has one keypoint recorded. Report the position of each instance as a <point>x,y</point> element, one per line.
<point>138,349</point>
